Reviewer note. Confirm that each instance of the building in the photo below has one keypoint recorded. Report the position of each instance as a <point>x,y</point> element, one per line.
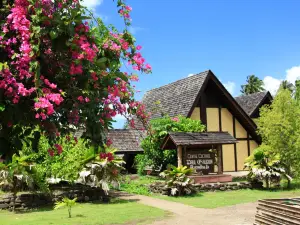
<point>203,97</point>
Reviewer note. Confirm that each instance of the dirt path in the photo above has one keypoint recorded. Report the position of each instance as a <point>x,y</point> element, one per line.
<point>242,214</point>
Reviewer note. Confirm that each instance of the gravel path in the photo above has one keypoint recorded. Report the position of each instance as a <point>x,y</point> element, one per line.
<point>242,214</point>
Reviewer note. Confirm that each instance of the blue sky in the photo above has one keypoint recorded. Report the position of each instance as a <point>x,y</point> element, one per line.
<point>233,38</point>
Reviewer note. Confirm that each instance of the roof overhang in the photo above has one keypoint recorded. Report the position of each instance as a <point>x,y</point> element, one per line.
<point>203,139</point>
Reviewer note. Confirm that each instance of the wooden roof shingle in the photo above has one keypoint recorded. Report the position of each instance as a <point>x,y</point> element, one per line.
<point>126,140</point>
<point>176,98</point>
<point>197,139</point>
<point>252,101</point>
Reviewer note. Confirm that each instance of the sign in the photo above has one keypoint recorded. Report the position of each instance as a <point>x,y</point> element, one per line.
<point>201,160</point>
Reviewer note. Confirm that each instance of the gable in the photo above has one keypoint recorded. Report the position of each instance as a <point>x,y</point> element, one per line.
<point>252,103</point>
<point>176,98</point>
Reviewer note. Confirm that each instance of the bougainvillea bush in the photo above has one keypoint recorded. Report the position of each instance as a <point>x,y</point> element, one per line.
<point>60,69</point>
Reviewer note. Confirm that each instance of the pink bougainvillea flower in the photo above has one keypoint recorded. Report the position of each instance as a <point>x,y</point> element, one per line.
<point>51,152</point>
<point>175,119</point>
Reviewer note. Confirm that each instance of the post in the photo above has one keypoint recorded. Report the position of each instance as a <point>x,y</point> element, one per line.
<point>179,155</point>
<point>219,155</point>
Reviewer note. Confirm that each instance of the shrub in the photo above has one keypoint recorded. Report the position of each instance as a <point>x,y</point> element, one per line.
<point>158,129</point>
<point>177,179</point>
<point>263,165</point>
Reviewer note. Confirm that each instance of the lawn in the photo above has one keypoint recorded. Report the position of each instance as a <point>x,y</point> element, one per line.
<point>118,212</point>
<point>219,199</point>
<point>138,184</point>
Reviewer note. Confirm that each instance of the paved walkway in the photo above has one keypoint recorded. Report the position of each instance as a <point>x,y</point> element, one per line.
<point>242,214</point>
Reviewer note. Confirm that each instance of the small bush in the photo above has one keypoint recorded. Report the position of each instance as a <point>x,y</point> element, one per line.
<point>177,179</point>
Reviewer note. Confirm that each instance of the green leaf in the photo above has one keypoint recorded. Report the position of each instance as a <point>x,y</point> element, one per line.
<point>2,107</point>
<point>53,34</point>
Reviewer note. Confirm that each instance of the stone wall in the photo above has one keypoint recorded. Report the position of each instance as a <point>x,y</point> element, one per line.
<point>32,200</point>
<point>161,188</point>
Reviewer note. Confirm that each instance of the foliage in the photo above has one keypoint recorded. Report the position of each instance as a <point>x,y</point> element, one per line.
<point>102,169</point>
<point>66,202</point>
<point>60,70</point>
<point>254,84</point>
<point>286,85</point>
<point>137,185</point>
<point>265,165</point>
<point>177,179</point>
<point>19,171</point>
<point>279,127</point>
<point>159,128</point>
<point>66,164</point>
<point>116,212</point>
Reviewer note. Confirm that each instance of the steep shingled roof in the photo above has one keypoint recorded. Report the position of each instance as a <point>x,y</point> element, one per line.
<point>176,98</point>
<point>251,102</point>
<point>126,140</point>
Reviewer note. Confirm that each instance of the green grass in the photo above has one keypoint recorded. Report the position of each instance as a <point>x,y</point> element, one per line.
<point>119,212</point>
<point>138,185</point>
<point>219,199</point>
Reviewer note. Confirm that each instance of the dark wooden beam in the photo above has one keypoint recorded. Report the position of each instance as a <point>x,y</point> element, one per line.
<point>235,152</point>
<point>244,139</point>
<point>248,144</point>
<point>220,129</point>
<point>203,116</point>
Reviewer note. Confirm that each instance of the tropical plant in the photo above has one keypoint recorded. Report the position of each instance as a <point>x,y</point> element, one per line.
<point>102,169</point>
<point>66,202</point>
<point>254,84</point>
<point>18,172</point>
<point>61,69</point>
<point>279,127</point>
<point>286,85</point>
<point>178,181</point>
<point>154,156</point>
<point>264,165</point>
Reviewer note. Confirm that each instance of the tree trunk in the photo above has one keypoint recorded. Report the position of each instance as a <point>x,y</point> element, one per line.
<point>267,182</point>
<point>69,210</point>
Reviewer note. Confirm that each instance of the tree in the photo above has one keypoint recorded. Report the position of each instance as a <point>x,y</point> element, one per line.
<point>254,84</point>
<point>60,69</point>
<point>157,130</point>
<point>279,127</point>
<point>286,85</point>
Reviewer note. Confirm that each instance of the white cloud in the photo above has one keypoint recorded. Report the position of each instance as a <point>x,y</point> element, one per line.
<point>91,3</point>
<point>230,86</point>
<point>272,84</point>
<point>191,74</point>
<point>134,30</point>
<point>120,121</point>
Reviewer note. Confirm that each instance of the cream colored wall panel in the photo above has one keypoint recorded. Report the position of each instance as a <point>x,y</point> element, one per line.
<point>228,158</point>
<point>196,114</point>
<point>253,145</point>
<point>212,115</point>
<point>239,130</point>
<point>227,123</point>
<point>242,154</point>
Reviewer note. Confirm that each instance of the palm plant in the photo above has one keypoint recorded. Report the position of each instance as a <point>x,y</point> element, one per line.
<point>265,165</point>
<point>177,179</point>
<point>286,85</point>
<point>102,169</point>
<point>254,84</point>
<point>66,202</point>
<point>16,173</point>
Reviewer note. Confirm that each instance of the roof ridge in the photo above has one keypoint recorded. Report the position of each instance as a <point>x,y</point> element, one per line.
<point>201,73</point>
<point>259,92</point>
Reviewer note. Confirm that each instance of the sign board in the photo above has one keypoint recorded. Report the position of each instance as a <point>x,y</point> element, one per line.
<point>201,160</point>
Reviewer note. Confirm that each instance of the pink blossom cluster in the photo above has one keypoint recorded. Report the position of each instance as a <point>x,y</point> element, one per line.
<point>73,117</point>
<point>44,104</point>
<point>124,12</point>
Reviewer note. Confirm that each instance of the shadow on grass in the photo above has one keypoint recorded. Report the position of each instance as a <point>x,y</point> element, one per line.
<point>50,207</point>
